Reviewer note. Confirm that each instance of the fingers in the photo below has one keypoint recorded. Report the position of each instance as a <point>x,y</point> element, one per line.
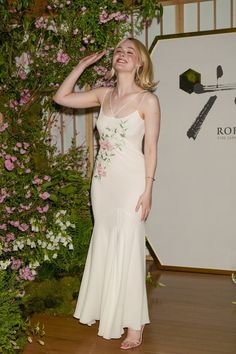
<point>92,58</point>
<point>145,210</point>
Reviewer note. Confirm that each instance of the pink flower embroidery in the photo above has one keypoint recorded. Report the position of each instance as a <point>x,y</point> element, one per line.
<point>100,170</point>
<point>106,145</point>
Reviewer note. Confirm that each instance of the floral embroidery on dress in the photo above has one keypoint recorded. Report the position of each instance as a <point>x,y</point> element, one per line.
<point>111,140</point>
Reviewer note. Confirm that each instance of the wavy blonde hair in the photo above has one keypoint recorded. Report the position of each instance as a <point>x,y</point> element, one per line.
<point>144,76</point>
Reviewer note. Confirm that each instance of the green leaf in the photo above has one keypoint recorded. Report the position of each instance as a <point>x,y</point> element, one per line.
<point>68,190</point>
<point>53,197</point>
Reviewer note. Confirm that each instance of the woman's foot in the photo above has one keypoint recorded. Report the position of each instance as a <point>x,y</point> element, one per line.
<point>133,338</point>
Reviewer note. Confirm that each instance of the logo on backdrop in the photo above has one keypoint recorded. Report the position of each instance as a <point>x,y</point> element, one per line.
<point>190,82</point>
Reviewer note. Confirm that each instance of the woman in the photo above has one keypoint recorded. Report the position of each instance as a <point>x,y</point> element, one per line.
<point>113,288</point>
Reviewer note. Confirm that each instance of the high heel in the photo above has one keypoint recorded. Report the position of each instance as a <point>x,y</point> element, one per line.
<point>129,343</point>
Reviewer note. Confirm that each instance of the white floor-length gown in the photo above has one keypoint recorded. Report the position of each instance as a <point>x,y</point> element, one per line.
<point>113,288</point>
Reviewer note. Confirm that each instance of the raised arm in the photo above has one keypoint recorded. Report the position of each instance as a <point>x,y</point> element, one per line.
<point>65,95</point>
<point>151,112</point>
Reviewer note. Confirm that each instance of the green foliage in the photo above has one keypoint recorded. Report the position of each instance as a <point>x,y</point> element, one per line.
<point>12,323</point>
<point>46,220</point>
<point>54,296</point>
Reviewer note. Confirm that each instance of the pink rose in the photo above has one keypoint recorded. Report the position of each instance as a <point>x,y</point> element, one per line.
<point>26,274</point>
<point>43,209</point>
<point>3,226</point>
<point>44,195</point>
<point>16,263</point>
<point>9,165</point>
<point>3,127</point>
<point>23,227</point>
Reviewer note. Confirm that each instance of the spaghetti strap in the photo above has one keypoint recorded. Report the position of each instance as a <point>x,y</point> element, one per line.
<point>125,104</point>
<point>144,91</point>
<point>105,95</point>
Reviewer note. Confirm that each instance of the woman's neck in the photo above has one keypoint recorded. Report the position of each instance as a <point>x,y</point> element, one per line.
<point>125,85</point>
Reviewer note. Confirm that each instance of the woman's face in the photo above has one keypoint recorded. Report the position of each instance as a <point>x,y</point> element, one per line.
<point>125,57</point>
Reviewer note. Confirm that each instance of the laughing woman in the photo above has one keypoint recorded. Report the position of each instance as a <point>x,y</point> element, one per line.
<point>113,288</point>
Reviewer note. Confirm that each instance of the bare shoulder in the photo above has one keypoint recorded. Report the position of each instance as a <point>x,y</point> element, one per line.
<point>101,92</point>
<point>151,99</point>
<point>150,105</point>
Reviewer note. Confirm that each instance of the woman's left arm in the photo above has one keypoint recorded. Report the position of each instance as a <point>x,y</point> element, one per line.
<point>151,112</point>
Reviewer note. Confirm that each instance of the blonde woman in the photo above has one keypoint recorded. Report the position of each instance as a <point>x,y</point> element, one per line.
<point>113,288</point>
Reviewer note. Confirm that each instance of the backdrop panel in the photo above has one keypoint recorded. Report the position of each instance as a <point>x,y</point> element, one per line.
<point>193,219</point>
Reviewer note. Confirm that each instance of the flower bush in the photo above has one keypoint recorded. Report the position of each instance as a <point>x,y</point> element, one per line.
<point>46,220</point>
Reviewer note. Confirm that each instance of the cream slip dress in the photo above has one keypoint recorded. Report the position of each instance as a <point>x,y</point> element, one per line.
<point>113,288</point>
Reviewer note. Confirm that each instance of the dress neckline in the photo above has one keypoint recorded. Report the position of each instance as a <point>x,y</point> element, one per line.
<point>121,118</point>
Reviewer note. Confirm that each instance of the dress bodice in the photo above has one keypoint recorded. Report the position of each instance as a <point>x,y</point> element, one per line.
<point>118,136</point>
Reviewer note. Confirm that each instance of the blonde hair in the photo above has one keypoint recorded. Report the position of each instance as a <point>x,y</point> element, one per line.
<point>144,76</point>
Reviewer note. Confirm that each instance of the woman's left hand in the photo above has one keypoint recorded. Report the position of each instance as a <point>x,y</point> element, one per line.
<point>145,202</point>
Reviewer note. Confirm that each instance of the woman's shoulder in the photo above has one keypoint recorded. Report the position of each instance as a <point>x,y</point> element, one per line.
<point>101,92</point>
<point>150,98</point>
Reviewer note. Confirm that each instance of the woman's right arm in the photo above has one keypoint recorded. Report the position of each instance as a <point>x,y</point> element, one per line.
<point>65,95</point>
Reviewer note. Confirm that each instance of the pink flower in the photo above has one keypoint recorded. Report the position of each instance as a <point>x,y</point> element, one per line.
<point>9,165</point>
<point>16,263</point>
<point>82,49</point>
<point>14,223</point>
<point>47,178</point>
<point>25,97</point>
<point>41,22</point>
<point>100,70</point>
<point>19,145</point>
<point>3,226</point>
<point>3,127</point>
<point>10,237</point>
<point>28,170</point>
<point>13,104</point>
<point>24,60</point>
<point>26,207</point>
<point>27,195</point>
<point>2,197</point>
<point>103,17</point>
<point>62,57</point>
<point>26,274</point>
<point>22,74</point>
<point>43,209</point>
<point>44,195</point>
<point>23,227</point>
<point>9,210</point>
<point>37,180</point>
<point>26,145</point>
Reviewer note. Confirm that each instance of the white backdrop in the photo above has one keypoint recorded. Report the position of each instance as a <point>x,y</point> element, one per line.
<point>193,219</point>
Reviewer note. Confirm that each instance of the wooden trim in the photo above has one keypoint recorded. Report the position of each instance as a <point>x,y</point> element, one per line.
<point>74,128</point>
<point>62,134</point>
<point>232,13</point>
<point>179,18</point>
<point>153,257</point>
<point>214,14</point>
<point>176,2</point>
<point>190,34</point>
<point>198,17</point>
<point>146,35</point>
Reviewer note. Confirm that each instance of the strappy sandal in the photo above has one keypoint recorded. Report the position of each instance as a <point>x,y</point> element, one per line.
<point>129,344</point>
